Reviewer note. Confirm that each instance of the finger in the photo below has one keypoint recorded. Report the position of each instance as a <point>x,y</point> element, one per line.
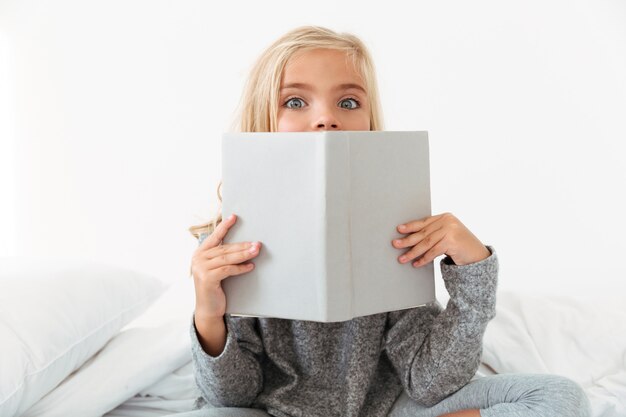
<point>431,254</point>
<point>226,264</point>
<point>223,249</point>
<point>241,269</point>
<point>424,245</point>
<point>414,238</point>
<point>417,225</point>
<point>218,234</point>
<point>231,270</point>
<point>217,275</point>
<point>233,258</point>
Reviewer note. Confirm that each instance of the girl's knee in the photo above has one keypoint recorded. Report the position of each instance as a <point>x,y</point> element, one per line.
<point>546,395</point>
<point>569,394</point>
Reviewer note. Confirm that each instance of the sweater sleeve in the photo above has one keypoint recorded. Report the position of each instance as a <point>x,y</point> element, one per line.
<point>436,352</point>
<point>234,378</point>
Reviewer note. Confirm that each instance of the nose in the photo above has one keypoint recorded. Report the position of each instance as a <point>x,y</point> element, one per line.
<point>326,119</point>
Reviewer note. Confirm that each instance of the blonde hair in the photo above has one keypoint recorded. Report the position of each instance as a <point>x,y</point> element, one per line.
<point>258,107</point>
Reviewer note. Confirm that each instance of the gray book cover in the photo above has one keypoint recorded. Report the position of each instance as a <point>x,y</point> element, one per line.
<point>325,207</point>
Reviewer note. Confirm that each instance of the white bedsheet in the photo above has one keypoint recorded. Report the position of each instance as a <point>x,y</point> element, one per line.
<point>175,393</point>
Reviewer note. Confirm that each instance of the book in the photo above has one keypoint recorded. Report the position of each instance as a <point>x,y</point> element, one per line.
<point>325,206</point>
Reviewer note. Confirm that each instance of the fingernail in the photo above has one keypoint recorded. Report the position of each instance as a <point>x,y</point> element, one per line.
<point>402,258</point>
<point>397,242</point>
<point>402,226</point>
<point>232,216</point>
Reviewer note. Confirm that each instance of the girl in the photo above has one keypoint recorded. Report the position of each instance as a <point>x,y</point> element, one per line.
<point>413,362</point>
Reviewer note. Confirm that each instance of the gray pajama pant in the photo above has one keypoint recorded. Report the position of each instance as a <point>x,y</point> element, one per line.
<point>502,395</point>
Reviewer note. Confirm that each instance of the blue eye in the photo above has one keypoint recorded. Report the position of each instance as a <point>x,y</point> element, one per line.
<point>349,106</point>
<point>295,106</point>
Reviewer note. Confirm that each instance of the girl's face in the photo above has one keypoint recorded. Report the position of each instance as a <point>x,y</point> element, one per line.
<point>321,90</point>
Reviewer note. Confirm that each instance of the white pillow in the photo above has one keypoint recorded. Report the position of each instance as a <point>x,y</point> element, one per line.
<point>55,314</point>
<point>142,356</point>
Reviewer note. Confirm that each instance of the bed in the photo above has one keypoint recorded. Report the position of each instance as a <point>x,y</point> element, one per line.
<point>89,339</point>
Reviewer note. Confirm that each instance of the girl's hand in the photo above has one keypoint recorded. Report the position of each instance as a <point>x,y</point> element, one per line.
<point>212,262</point>
<point>439,235</point>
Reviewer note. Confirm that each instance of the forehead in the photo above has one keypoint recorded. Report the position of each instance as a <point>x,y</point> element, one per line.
<point>321,65</point>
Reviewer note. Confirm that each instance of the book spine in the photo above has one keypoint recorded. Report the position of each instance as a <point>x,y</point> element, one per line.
<point>319,223</point>
<point>338,277</point>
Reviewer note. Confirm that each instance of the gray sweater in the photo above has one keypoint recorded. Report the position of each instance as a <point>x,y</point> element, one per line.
<point>357,367</point>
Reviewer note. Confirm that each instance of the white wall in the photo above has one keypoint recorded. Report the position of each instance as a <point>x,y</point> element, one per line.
<point>7,153</point>
<point>116,108</point>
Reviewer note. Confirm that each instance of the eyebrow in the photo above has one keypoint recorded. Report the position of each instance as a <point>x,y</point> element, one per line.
<point>309,87</point>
